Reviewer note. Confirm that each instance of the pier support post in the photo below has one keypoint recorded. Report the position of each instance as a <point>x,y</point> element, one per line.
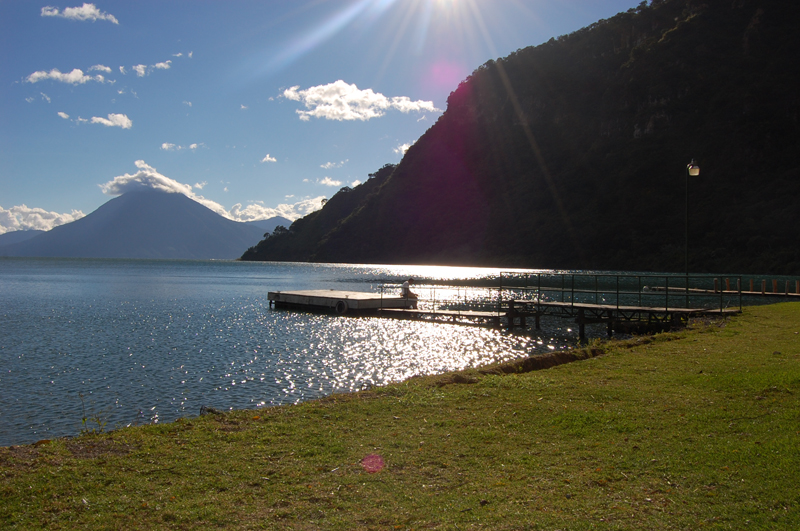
<point>537,318</point>
<point>581,325</point>
<point>510,315</point>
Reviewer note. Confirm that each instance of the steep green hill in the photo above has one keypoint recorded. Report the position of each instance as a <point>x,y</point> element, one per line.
<point>573,154</point>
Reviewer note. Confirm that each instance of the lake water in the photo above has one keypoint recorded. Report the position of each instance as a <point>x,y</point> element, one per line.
<point>138,341</point>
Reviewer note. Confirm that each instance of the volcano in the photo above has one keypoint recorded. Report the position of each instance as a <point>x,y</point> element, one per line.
<point>144,224</point>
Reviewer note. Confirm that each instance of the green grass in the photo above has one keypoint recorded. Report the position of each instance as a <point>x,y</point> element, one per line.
<point>697,429</point>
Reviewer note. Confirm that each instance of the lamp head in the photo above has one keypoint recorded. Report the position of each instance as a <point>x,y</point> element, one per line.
<point>693,169</point>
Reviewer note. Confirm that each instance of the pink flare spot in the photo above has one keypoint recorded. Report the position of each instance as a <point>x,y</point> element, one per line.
<point>445,74</point>
<point>372,463</point>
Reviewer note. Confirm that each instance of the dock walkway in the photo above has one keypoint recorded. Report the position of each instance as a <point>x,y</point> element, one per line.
<point>341,302</point>
<point>463,317</point>
<point>621,302</point>
<point>613,315</point>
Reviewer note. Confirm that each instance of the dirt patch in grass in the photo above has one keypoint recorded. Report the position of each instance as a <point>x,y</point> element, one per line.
<point>18,456</point>
<point>538,363</point>
<point>518,366</point>
<point>92,449</point>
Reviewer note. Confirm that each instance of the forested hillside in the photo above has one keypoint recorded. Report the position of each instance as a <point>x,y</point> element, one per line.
<point>573,154</point>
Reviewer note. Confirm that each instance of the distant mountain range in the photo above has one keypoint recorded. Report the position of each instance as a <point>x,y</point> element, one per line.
<point>269,225</point>
<point>572,154</point>
<point>144,224</point>
<point>18,236</point>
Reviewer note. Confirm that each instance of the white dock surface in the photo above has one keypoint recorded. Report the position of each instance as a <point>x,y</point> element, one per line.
<point>340,301</point>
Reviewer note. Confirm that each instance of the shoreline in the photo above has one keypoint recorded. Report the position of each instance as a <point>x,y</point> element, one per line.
<point>683,430</point>
<point>519,365</point>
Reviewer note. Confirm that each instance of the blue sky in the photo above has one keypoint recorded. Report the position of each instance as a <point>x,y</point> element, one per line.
<point>254,108</point>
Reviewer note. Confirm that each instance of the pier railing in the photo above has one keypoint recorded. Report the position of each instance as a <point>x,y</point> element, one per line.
<point>666,292</point>
<point>707,292</point>
<point>619,301</point>
<point>434,297</point>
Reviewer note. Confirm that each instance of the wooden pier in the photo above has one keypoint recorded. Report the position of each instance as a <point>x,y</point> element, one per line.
<point>615,317</point>
<point>461,317</point>
<point>621,302</point>
<point>340,302</point>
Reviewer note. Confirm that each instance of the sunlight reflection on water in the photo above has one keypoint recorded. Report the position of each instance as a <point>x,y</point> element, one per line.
<point>153,341</point>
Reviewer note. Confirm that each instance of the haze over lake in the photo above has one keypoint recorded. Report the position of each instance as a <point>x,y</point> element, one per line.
<point>138,341</point>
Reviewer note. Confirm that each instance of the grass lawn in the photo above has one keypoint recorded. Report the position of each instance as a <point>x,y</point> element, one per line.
<point>697,429</point>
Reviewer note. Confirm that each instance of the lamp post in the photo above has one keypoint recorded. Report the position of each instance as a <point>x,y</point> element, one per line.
<point>692,170</point>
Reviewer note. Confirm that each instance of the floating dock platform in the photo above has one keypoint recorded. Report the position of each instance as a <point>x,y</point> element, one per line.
<point>340,302</point>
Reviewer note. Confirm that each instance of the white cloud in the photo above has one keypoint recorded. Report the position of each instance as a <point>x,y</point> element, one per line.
<point>189,103</point>
<point>355,183</point>
<point>101,68</point>
<point>76,77</point>
<point>341,101</point>
<point>179,54</point>
<point>24,218</point>
<point>85,12</point>
<point>30,99</point>
<point>190,54</point>
<point>45,97</point>
<point>402,148</point>
<point>269,159</point>
<point>243,107</point>
<point>327,181</point>
<point>122,70</point>
<point>63,115</point>
<point>293,211</point>
<point>148,177</point>
<point>143,70</point>
<point>114,120</point>
<point>167,146</point>
<point>329,165</point>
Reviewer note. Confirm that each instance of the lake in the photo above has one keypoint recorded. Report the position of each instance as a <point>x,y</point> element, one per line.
<point>140,341</point>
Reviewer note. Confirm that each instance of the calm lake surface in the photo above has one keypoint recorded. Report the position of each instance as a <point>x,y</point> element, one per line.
<point>139,341</point>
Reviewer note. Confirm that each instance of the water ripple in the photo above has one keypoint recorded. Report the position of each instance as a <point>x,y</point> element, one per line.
<point>125,342</point>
